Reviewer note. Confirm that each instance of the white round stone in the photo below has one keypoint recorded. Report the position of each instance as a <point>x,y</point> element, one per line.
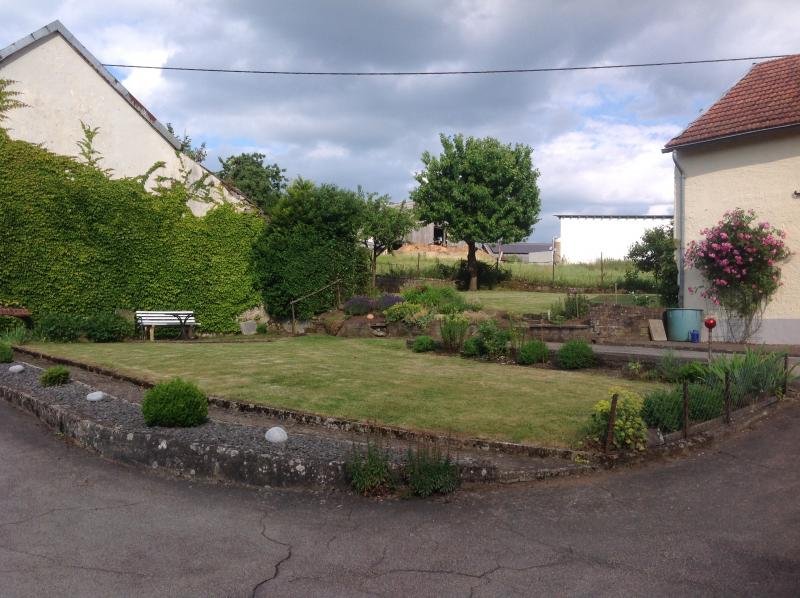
<point>16,368</point>
<point>97,395</point>
<point>277,435</point>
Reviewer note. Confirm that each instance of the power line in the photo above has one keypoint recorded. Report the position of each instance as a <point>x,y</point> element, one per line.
<point>430,73</point>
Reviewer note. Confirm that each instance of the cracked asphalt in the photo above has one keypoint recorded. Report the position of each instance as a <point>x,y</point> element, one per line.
<point>724,521</point>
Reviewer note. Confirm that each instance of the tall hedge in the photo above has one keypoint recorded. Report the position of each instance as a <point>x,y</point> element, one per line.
<point>72,240</point>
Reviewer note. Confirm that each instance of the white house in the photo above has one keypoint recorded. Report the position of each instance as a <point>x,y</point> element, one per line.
<point>587,238</point>
<point>63,84</point>
<point>744,152</point>
<point>527,253</point>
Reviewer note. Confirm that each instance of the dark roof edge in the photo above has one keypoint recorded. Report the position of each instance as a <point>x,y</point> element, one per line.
<point>629,216</point>
<point>667,148</point>
<point>57,27</point>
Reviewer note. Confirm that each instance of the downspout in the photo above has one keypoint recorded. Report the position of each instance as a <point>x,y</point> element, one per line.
<point>680,227</point>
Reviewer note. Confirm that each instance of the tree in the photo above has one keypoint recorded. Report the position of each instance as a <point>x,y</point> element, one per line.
<point>481,190</point>
<point>8,100</point>
<point>655,253</point>
<point>384,226</point>
<point>261,183</point>
<point>198,154</point>
<point>311,241</point>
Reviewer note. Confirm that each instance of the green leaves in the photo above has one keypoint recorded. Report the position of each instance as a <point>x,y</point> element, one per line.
<point>262,183</point>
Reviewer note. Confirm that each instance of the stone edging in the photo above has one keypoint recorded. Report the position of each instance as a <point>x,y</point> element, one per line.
<point>347,425</point>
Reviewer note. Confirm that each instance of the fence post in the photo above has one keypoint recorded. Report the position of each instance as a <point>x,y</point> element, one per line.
<point>785,373</point>
<point>294,325</point>
<point>727,397</point>
<point>685,408</point>
<point>612,416</point>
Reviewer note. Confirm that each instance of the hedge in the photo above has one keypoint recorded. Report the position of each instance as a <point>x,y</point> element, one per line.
<point>74,241</point>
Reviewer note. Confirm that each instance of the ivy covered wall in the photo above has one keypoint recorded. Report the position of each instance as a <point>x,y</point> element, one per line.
<point>73,240</point>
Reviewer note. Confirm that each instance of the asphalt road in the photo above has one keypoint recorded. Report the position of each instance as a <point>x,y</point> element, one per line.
<point>722,522</point>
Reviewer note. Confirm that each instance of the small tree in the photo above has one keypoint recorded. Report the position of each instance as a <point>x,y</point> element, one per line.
<point>482,190</point>
<point>263,184</point>
<point>655,253</point>
<point>739,260</point>
<point>384,226</point>
<point>8,100</point>
<point>198,153</point>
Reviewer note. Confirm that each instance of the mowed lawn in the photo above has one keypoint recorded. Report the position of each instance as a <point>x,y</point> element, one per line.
<point>514,302</point>
<point>373,380</point>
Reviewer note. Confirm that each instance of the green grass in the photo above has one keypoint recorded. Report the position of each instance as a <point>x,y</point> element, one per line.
<point>566,275</point>
<point>373,380</point>
<point>525,302</point>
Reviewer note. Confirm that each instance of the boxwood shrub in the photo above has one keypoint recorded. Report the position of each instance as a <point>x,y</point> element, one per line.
<point>575,355</point>
<point>423,344</point>
<point>533,352</point>
<point>54,376</point>
<point>59,328</point>
<point>175,404</point>
<point>108,328</point>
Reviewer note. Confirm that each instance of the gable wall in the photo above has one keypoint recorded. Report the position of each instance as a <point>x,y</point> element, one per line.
<point>754,172</point>
<point>61,89</point>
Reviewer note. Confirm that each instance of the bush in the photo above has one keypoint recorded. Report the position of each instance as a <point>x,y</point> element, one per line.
<point>454,331</point>
<point>439,298</point>
<point>6,353</point>
<point>108,328</point>
<point>663,409</point>
<point>411,314</point>
<point>9,323</point>
<point>359,305</point>
<point>489,275</point>
<point>706,401</point>
<point>570,308</point>
<point>753,374</point>
<point>384,302</point>
<point>423,344</point>
<point>669,367</point>
<point>261,328</point>
<point>175,403</point>
<point>369,471</point>
<point>630,432</point>
<point>473,347</point>
<point>575,355</point>
<point>533,352</point>
<point>54,376</point>
<point>494,339</point>
<point>429,472</point>
<point>59,328</point>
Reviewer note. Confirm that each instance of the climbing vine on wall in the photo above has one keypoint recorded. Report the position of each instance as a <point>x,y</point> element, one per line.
<point>74,240</point>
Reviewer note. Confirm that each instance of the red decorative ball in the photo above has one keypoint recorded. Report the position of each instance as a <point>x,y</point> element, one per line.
<point>710,323</point>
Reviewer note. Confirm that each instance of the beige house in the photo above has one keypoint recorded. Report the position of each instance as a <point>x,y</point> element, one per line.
<point>744,152</point>
<point>63,84</point>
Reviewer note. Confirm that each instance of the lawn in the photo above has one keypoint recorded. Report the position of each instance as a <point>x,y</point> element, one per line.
<point>525,302</point>
<point>373,380</point>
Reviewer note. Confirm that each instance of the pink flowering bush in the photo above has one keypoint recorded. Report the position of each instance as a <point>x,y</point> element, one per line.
<point>739,259</point>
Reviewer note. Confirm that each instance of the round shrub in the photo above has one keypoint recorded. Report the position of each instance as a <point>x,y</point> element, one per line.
<point>108,328</point>
<point>359,305</point>
<point>575,355</point>
<point>533,352</point>
<point>630,432</point>
<point>54,376</point>
<point>473,347</point>
<point>423,344</point>
<point>494,339</point>
<point>6,353</point>
<point>59,328</point>
<point>175,404</point>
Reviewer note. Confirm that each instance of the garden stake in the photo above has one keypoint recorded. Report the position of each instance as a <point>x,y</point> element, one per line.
<point>612,415</point>
<point>727,397</point>
<point>785,373</point>
<point>685,409</point>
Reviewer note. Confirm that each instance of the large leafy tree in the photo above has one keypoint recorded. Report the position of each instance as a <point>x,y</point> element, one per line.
<point>311,241</point>
<point>482,190</point>
<point>384,226</point>
<point>655,253</point>
<point>262,183</point>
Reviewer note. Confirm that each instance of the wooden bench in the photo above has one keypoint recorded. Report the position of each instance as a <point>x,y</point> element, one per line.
<point>148,320</point>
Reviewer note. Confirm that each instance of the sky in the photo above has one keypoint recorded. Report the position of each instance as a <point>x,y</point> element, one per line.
<point>596,135</point>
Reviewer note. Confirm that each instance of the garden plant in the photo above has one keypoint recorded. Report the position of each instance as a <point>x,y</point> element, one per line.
<point>57,375</point>
<point>175,403</point>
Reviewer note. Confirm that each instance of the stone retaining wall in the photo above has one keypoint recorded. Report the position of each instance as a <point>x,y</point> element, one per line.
<point>622,322</point>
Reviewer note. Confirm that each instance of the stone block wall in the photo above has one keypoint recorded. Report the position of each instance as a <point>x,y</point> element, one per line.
<point>622,322</point>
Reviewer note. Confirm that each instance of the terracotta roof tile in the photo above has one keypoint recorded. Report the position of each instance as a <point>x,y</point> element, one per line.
<point>768,96</point>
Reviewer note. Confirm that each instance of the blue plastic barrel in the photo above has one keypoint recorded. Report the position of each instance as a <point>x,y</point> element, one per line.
<point>680,322</point>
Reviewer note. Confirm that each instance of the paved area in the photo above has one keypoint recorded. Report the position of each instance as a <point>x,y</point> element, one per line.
<point>722,522</point>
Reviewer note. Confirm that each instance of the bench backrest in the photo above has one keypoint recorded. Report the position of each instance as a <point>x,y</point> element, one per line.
<point>165,318</point>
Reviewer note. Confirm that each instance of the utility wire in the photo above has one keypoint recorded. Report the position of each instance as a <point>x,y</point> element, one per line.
<point>429,73</point>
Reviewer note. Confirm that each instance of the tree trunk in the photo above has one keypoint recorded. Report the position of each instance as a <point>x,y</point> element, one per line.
<point>472,266</point>
<point>374,267</point>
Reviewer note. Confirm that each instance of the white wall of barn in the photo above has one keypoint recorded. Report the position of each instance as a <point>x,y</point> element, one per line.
<point>585,239</point>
